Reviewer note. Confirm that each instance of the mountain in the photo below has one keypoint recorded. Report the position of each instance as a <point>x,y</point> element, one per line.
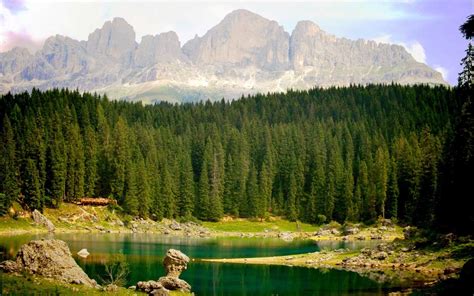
<point>245,53</point>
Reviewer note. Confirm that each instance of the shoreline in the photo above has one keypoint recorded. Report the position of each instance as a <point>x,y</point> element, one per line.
<point>392,259</point>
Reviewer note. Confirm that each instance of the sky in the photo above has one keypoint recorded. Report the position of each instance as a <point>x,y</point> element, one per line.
<point>428,29</point>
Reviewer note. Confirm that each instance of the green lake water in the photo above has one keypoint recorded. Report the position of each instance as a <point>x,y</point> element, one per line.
<point>144,253</point>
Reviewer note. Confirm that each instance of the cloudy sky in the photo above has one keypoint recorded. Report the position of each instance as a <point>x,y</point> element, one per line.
<point>427,28</point>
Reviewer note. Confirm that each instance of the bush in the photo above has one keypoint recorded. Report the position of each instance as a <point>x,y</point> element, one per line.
<point>334,224</point>
<point>116,270</point>
<point>321,219</point>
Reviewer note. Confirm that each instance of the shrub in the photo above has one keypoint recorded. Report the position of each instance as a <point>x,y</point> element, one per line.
<point>116,270</point>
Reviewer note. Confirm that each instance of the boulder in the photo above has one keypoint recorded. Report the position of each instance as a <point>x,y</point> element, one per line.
<point>175,262</point>
<point>380,255</point>
<point>48,258</point>
<point>286,236</point>
<point>83,253</point>
<point>40,219</point>
<point>174,284</point>
<point>175,226</point>
<point>351,231</point>
<point>150,287</point>
<point>410,232</point>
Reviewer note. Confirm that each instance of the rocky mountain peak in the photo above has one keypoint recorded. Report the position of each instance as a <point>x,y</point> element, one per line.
<point>307,28</point>
<point>244,39</point>
<point>116,39</point>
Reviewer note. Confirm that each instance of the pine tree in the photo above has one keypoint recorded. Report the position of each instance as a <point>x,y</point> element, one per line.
<point>216,183</point>
<point>291,213</point>
<point>380,180</point>
<point>57,163</point>
<point>120,155</point>
<point>8,167</point>
<point>203,203</point>
<point>167,194</point>
<point>91,157</point>
<point>253,198</point>
<point>130,203</point>
<point>392,191</point>
<point>186,187</point>
<point>31,187</point>
<point>143,189</point>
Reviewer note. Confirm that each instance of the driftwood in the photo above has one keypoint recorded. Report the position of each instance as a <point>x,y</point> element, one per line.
<point>99,201</point>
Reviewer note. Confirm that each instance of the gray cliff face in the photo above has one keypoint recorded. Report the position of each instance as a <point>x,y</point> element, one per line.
<point>115,40</point>
<point>14,60</point>
<point>242,39</point>
<point>245,53</point>
<point>161,48</point>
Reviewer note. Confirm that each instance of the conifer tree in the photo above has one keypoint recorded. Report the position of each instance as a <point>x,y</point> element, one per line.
<point>186,187</point>
<point>8,167</point>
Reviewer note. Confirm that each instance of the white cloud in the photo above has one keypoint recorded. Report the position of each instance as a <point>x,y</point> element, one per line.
<point>414,48</point>
<point>443,71</point>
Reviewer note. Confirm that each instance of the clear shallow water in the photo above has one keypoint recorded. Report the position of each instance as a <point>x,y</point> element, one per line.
<point>144,253</point>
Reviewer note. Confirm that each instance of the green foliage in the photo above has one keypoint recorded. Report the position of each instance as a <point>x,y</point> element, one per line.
<point>116,270</point>
<point>344,154</point>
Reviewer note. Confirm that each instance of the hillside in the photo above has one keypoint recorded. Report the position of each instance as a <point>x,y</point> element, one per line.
<point>344,154</point>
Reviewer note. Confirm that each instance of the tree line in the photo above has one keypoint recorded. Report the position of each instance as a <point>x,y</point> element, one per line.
<point>346,154</point>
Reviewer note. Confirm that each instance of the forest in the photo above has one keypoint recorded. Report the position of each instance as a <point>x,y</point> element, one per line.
<point>352,153</point>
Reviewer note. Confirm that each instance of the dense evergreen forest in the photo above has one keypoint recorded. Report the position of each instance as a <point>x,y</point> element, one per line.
<point>346,154</point>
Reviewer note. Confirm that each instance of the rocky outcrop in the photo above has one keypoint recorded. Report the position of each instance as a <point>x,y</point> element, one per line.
<point>40,219</point>
<point>175,262</point>
<point>48,258</point>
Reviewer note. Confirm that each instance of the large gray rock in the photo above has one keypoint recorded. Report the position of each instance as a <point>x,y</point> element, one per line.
<point>174,262</point>
<point>48,258</point>
<point>40,219</point>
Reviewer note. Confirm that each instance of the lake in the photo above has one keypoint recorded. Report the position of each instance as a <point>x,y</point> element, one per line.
<point>144,254</point>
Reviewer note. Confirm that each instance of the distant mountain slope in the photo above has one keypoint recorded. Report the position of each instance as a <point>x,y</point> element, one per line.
<point>244,53</point>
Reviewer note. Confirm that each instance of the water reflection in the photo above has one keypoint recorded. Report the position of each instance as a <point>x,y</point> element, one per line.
<point>144,253</point>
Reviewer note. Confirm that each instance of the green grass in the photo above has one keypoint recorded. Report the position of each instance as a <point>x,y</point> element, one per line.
<point>29,285</point>
<point>257,226</point>
<point>10,225</point>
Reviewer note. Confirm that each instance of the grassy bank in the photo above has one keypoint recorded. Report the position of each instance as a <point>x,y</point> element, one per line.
<point>30,285</point>
<point>255,226</point>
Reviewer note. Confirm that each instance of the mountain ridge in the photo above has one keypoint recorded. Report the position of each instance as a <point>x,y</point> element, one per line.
<point>244,53</point>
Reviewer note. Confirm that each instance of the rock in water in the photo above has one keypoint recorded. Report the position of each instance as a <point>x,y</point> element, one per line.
<point>48,258</point>
<point>175,262</point>
<point>40,219</point>
<point>83,253</point>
